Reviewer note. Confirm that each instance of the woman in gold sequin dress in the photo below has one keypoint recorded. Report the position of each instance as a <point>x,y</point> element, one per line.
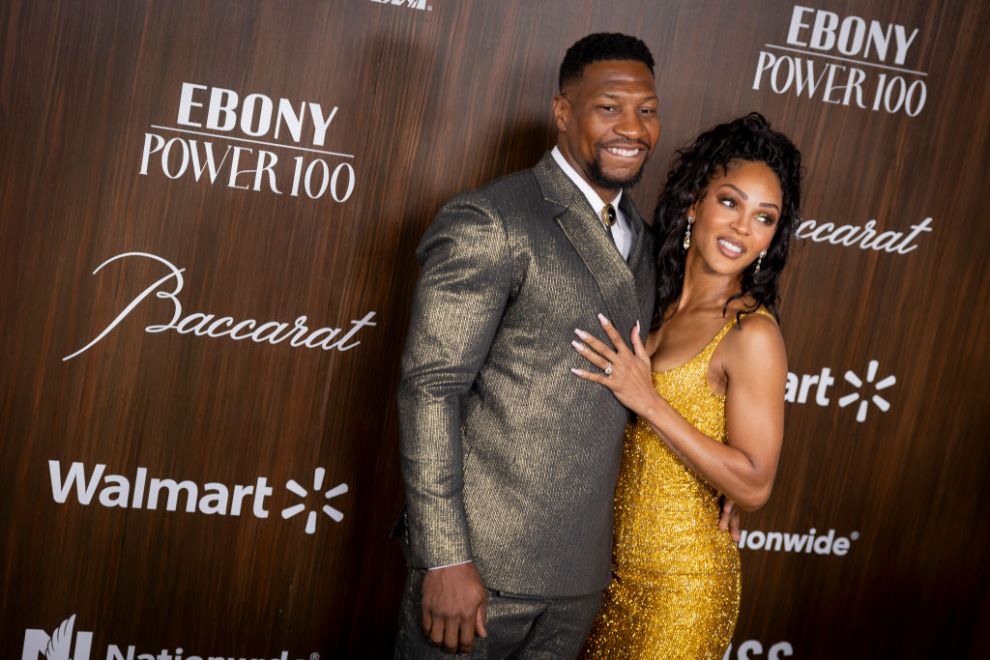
<point>708,389</point>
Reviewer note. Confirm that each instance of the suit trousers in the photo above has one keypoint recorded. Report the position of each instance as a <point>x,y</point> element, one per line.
<point>518,626</point>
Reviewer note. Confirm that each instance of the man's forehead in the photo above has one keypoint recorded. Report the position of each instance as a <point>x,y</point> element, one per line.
<point>602,74</point>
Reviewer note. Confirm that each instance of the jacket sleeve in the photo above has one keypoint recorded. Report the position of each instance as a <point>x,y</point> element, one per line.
<point>460,298</point>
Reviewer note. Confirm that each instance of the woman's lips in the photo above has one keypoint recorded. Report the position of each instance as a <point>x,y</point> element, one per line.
<point>731,249</point>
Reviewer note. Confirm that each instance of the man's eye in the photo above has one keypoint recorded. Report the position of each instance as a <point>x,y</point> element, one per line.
<point>608,108</point>
<point>647,111</point>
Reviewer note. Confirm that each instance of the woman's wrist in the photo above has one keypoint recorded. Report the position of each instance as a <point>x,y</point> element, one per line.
<point>657,411</point>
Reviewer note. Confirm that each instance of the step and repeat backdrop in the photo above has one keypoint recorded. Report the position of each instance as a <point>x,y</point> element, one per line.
<point>209,214</point>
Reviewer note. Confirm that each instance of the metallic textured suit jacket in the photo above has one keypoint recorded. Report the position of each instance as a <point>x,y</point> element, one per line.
<point>509,459</point>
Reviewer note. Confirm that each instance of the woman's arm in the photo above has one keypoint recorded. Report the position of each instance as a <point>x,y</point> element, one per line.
<point>756,370</point>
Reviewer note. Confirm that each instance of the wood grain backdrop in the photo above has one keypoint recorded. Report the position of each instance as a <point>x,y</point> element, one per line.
<point>434,100</point>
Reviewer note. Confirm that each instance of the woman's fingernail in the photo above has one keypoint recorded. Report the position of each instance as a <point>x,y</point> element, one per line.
<point>581,333</point>
<point>578,345</point>
<point>601,317</point>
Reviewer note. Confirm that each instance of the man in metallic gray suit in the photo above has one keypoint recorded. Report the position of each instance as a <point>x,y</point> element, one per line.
<point>509,461</point>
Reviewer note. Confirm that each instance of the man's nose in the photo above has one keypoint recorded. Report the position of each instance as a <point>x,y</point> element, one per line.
<point>631,126</point>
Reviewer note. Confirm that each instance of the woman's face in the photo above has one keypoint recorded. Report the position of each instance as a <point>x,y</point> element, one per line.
<point>736,217</point>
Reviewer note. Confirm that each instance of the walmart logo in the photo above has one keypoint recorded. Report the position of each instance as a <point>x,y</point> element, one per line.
<point>863,397</point>
<point>94,485</point>
<point>294,487</point>
<point>817,388</point>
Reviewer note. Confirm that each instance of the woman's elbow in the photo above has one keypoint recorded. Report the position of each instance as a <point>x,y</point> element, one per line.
<point>755,498</point>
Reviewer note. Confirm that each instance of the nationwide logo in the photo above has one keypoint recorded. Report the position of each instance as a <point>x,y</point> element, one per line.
<point>88,486</point>
<point>752,649</point>
<point>816,388</point>
<point>38,644</point>
<point>811,542</point>
<point>240,134</point>
<point>410,4</point>
<point>844,60</point>
<point>58,645</point>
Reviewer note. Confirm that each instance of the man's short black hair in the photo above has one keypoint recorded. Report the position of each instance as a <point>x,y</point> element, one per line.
<point>602,46</point>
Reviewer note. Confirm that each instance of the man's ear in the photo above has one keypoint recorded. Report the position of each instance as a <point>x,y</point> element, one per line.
<point>561,112</point>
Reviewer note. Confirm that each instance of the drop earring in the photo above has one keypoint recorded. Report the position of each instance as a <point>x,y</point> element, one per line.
<point>759,262</point>
<point>687,234</point>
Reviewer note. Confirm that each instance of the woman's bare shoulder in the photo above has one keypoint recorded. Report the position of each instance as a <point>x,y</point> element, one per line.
<point>757,337</point>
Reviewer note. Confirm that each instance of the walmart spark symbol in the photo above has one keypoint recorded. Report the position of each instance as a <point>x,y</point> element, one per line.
<point>318,475</point>
<point>878,401</point>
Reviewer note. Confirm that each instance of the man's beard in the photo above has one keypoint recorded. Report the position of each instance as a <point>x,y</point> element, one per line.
<point>605,181</point>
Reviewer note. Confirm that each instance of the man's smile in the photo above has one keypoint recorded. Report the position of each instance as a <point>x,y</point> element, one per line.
<point>626,151</point>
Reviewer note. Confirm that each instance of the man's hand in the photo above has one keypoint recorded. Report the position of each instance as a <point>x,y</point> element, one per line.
<point>729,520</point>
<point>454,607</point>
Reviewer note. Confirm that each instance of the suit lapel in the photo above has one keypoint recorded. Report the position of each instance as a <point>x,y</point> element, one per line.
<point>585,232</point>
<point>636,223</point>
<point>638,253</point>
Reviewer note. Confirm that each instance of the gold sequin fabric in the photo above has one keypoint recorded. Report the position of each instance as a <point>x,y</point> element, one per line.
<point>675,584</point>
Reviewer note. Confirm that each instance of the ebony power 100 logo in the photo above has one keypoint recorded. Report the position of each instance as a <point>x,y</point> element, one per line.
<point>845,60</point>
<point>250,142</point>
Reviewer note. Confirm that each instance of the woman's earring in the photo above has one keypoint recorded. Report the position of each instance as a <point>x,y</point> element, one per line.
<point>687,234</point>
<point>759,261</point>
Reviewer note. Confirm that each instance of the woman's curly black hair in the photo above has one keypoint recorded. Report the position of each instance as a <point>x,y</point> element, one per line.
<point>747,138</point>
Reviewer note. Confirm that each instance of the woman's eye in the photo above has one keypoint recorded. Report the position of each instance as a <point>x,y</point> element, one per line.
<point>727,202</point>
<point>766,219</point>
